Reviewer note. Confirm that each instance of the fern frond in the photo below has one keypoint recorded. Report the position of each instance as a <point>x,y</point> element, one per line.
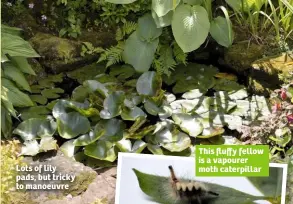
<point>112,55</point>
<point>126,29</point>
<point>180,56</point>
<point>165,63</point>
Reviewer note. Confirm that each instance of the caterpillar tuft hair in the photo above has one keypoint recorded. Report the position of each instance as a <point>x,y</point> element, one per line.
<point>189,191</point>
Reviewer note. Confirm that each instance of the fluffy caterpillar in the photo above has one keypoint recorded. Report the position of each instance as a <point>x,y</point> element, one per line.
<point>189,192</point>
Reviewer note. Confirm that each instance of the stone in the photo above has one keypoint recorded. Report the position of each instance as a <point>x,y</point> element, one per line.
<point>59,54</point>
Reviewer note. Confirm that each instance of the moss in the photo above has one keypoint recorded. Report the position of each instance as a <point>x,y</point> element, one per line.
<point>20,198</point>
<point>52,47</point>
<point>240,56</point>
<point>81,183</point>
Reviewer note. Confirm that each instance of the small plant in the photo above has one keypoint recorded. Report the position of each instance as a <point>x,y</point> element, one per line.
<point>14,86</point>
<point>9,160</point>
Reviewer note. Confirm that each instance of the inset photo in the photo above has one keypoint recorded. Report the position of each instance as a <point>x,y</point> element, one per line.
<point>156,179</point>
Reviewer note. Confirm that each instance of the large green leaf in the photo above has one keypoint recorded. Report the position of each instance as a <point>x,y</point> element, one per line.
<point>164,20</point>
<point>6,123</point>
<point>35,112</point>
<point>68,148</point>
<point>16,46</point>
<point>23,65</point>
<point>125,145</point>
<point>162,7</point>
<point>152,186</point>
<point>88,138</point>
<point>246,5</point>
<point>220,31</point>
<point>151,107</point>
<point>121,1</point>
<point>147,29</point>
<point>95,86</point>
<point>64,106</point>
<point>148,84</point>
<point>15,96</point>
<point>138,53</point>
<point>188,124</point>
<point>35,128</point>
<point>102,150</point>
<point>5,102</point>
<point>112,105</point>
<point>181,141</point>
<point>190,26</point>
<point>14,74</point>
<point>113,129</point>
<point>72,124</point>
<point>132,113</point>
<point>52,93</point>
<point>10,30</point>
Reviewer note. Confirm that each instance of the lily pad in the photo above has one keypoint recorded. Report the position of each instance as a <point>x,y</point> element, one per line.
<point>113,129</point>
<point>179,142</point>
<point>126,146</point>
<point>68,148</point>
<point>102,150</point>
<point>112,105</point>
<point>192,94</point>
<point>88,138</point>
<point>48,143</point>
<point>151,107</point>
<point>132,113</point>
<point>72,124</point>
<point>30,148</point>
<point>35,128</point>
<point>211,132</point>
<point>188,124</point>
<point>148,84</point>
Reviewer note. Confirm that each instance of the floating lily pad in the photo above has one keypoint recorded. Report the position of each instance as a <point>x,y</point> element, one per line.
<point>132,113</point>
<point>126,146</point>
<point>102,150</point>
<point>112,105</point>
<point>88,138</point>
<point>188,124</point>
<point>39,99</point>
<point>211,132</point>
<point>52,93</point>
<point>113,129</point>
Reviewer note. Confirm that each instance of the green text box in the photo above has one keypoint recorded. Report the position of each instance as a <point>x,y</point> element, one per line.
<point>232,160</point>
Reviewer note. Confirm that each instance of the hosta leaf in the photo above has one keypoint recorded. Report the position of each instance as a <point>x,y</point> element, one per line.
<point>138,53</point>
<point>15,96</point>
<point>14,74</point>
<point>164,20</point>
<point>48,143</point>
<point>132,113</point>
<point>112,105</point>
<point>16,46</point>
<point>190,26</point>
<point>22,64</point>
<point>125,146</point>
<point>6,123</point>
<point>72,124</point>
<point>34,128</point>
<point>147,29</point>
<point>121,1</point>
<point>188,124</point>
<point>148,84</point>
<point>220,31</point>
<point>88,138</point>
<point>6,103</point>
<point>162,7</point>
<point>30,148</point>
<point>11,30</point>
<point>113,129</point>
<point>152,186</point>
<point>102,150</point>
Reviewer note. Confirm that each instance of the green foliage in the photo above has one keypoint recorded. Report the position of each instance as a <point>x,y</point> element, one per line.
<point>14,66</point>
<point>160,190</point>
<point>9,160</point>
<point>120,112</point>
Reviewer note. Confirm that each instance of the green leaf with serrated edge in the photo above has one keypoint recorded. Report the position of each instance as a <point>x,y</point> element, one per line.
<point>72,124</point>
<point>152,186</point>
<point>102,150</point>
<point>35,128</point>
